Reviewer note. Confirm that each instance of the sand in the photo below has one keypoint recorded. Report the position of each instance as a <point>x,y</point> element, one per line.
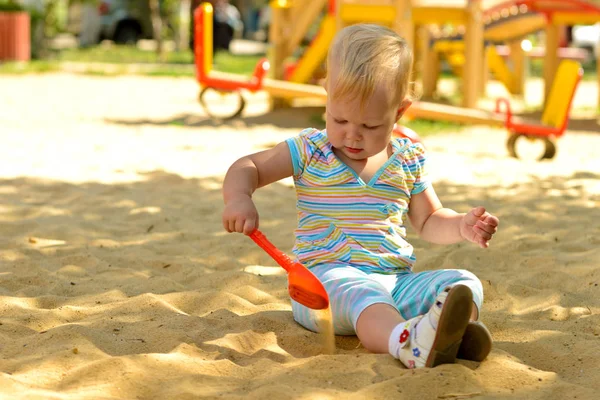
<point>117,280</point>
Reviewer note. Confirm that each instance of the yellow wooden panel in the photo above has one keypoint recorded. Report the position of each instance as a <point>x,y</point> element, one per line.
<point>442,112</point>
<point>290,90</point>
<point>303,15</point>
<point>571,18</point>
<point>316,52</point>
<point>367,13</point>
<point>563,88</point>
<point>515,28</point>
<point>498,67</point>
<point>439,15</point>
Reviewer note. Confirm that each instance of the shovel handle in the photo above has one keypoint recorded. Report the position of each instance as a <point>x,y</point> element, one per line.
<point>282,259</point>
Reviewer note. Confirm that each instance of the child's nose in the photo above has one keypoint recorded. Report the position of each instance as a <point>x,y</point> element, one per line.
<point>353,133</point>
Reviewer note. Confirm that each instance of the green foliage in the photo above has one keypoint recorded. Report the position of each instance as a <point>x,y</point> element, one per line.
<point>10,6</point>
<point>51,18</point>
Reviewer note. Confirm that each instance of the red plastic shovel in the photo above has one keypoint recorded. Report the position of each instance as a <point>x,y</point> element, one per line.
<point>304,287</point>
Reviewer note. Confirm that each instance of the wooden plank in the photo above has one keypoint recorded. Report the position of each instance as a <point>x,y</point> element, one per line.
<point>515,28</point>
<point>403,22</point>
<point>519,66</point>
<point>431,73</point>
<point>474,54</point>
<point>290,90</point>
<point>551,58</point>
<point>316,53</point>
<point>423,110</point>
<point>439,15</point>
<point>573,18</point>
<point>304,14</point>
<point>442,112</point>
<point>353,13</point>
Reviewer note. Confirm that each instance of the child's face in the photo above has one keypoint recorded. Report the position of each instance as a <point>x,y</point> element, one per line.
<point>360,134</point>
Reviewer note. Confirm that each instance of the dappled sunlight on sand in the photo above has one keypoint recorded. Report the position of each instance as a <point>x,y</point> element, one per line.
<point>118,281</point>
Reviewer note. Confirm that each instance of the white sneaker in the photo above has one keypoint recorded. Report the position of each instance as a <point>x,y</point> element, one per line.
<point>434,338</point>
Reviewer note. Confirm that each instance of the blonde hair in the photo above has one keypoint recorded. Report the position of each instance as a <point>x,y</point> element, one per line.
<point>366,56</point>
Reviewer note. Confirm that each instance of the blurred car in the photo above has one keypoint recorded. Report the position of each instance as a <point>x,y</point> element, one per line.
<point>122,21</point>
<point>227,23</point>
<point>125,21</point>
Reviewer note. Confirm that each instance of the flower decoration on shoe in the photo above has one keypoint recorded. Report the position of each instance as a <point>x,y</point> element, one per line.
<point>416,352</point>
<point>404,336</point>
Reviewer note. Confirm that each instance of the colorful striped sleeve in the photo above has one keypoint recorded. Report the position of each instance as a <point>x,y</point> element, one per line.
<point>302,149</point>
<point>416,160</point>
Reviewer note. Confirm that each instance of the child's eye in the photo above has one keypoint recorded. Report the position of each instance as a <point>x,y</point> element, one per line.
<point>372,127</point>
<point>339,121</point>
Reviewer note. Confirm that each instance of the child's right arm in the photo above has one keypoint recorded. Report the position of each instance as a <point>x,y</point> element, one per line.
<point>245,176</point>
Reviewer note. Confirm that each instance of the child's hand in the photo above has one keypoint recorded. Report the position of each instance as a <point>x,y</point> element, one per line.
<point>478,226</point>
<point>240,215</point>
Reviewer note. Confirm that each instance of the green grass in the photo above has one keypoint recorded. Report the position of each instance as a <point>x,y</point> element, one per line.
<point>589,69</point>
<point>174,64</point>
<point>122,55</point>
<point>37,67</point>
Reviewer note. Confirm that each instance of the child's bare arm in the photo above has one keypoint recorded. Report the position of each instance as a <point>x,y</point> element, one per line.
<point>440,225</point>
<point>245,176</point>
<point>432,221</point>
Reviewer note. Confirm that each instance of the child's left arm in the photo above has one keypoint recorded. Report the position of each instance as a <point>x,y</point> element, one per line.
<point>440,225</point>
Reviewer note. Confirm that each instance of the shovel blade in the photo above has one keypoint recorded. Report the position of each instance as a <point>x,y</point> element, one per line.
<point>305,288</point>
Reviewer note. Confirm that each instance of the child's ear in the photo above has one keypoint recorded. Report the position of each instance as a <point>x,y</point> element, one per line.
<point>402,108</point>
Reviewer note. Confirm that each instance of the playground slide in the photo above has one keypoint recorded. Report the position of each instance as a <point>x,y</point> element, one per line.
<point>316,52</point>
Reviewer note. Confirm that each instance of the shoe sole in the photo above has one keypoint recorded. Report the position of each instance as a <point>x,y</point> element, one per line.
<point>453,322</point>
<point>476,343</point>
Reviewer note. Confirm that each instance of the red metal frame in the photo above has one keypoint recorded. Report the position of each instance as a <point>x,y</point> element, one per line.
<point>255,82</point>
<point>539,129</point>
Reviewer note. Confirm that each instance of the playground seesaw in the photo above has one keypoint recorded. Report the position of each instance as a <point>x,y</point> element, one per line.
<point>227,84</point>
<point>216,85</point>
<point>556,113</point>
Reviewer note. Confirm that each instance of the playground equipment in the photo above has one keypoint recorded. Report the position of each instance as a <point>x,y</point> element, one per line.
<point>471,53</point>
<point>224,84</point>
<point>219,84</point>
<point>303,285</point>
<point>556,114</point>
<point>509,22</point>
<point>506,20</point>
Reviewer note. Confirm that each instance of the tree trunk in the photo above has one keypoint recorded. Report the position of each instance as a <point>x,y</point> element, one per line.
<point>184,24</point>
<point>157,25</point>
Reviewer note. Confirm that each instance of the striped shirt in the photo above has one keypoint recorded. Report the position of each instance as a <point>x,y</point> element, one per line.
<point>342,219</point>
